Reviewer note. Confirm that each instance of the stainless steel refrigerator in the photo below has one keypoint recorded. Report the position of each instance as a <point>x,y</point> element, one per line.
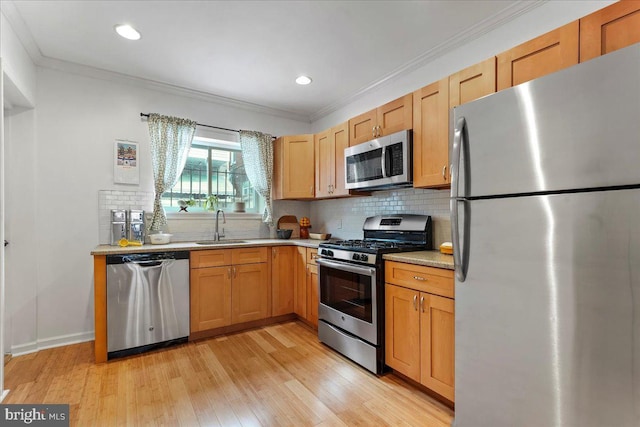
<point>545,213</point>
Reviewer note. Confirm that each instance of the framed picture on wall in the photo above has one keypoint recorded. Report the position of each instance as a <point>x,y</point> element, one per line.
<point>126,169</point>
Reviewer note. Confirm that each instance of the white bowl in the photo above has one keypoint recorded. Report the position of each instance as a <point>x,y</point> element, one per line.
<point>160,238</point>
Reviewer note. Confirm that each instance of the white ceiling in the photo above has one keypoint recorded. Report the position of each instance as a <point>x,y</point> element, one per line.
<point>252,51</point>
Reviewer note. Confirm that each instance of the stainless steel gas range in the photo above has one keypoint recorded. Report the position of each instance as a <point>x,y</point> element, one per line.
<point>351,278</point>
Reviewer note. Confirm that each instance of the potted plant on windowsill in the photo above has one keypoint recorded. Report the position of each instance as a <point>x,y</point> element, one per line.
<point>210,202</point>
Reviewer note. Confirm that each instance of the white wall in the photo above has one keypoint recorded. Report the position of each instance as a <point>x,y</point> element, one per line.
<point>58,172</point>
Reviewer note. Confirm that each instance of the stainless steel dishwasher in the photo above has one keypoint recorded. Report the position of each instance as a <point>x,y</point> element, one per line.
<point>147,301</point>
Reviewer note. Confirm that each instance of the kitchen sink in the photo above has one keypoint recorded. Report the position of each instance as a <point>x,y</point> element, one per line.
<point>219,242</point>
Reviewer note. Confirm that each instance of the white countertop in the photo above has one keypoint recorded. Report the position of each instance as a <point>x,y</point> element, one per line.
<point>193,246</point>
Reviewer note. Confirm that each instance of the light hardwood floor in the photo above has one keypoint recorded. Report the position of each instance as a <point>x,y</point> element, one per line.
<point>276,375</point>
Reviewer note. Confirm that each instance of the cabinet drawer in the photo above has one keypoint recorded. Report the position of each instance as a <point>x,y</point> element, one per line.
<point>249,255</point>
<point>436,281</point>
<point>212,258</point>
<point>312,254</point>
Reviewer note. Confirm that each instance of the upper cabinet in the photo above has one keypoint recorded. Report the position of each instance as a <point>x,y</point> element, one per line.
<point>472,83</point>
<point>293,172</point>
<point>329,158</point>
<point>609,29</point>
<point>390,118</point>
<point>431,135</point>
<point>543,55</point>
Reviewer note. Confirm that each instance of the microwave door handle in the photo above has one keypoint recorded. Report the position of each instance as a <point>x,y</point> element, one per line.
<point>383,160</point>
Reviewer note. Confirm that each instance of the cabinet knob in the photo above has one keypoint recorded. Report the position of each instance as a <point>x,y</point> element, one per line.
<point>422,279</point>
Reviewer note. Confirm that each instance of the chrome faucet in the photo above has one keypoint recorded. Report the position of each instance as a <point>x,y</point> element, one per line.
<point>216,235</point>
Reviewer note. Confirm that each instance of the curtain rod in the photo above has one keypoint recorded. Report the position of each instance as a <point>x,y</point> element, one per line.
<point>200,124</point>
<point>206,126</point>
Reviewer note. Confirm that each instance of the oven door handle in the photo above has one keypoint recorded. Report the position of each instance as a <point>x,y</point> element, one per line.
<point>367,271</point>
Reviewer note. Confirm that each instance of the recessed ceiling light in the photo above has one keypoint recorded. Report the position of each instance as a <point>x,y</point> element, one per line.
<point>127,31</point>
<point>303,80</point>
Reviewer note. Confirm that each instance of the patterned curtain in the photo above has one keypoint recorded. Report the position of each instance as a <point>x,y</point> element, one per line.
<point>257,152</point>
<point>170,142</point>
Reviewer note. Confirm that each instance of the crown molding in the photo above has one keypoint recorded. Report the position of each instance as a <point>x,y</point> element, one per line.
<point>516,9</point>
<point>9,10</point>
<point>98,73</point>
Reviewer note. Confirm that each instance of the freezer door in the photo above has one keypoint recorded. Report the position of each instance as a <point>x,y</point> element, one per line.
<point>547,326</point>
<point>577,128</point>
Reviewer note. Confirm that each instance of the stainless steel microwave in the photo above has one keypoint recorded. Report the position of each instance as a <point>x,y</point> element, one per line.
<point>381,163</point>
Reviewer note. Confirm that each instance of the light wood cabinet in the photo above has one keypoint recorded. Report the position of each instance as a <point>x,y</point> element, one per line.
<point>543,55</point>
<point>431,135</point>
<point>283,260</point>
<point>420,320</point>
<point>472,83</point>
<point>612,28</point>
<point>210,298</point>
<point>329,156</point>
<point>313,298</point>
<point>389,118</point>
<point>306,287</point>
<point>237,291</point>
<point>293,167</point>
<point>300,290</point>
<point>249,292</point>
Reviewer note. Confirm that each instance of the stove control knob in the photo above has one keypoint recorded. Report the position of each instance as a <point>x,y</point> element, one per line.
<point>355,257</point>
<point>364,257</point>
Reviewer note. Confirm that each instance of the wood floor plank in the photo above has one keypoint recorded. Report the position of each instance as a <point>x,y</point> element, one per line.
<point>279,375</point>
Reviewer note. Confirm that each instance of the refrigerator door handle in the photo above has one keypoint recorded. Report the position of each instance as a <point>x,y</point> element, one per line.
<point>458,140</point>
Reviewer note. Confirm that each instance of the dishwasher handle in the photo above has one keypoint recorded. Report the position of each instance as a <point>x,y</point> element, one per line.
<point>141,258</point>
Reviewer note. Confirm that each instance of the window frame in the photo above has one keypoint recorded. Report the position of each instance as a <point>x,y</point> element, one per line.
<point>215,143</point>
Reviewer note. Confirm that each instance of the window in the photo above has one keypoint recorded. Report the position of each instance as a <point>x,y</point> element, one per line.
<point>215,168</point>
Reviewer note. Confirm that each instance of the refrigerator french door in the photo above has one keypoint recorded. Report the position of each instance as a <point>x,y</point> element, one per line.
<point>546,229</point>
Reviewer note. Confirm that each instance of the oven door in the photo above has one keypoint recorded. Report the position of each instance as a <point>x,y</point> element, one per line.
<point>348,298</point>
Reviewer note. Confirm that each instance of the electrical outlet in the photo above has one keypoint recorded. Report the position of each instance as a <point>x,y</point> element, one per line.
<point>339,224</point>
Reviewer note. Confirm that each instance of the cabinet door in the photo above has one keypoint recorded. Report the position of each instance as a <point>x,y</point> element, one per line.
<point>472,83</point>
<point>437,344</point>
<point>609,29</point>
<point>395,116</point>
<point>295,168</point>
<point>210,298</point>
<point>362,127</point>
<point>312,294</point>
<point>340,136</point>
<point>282,279</point>
<point>324,154</point>
<point>300,290</point>
<point>402,330</point>
<point>250,293</point>
<point>431,135</point>
<point>543,55</point>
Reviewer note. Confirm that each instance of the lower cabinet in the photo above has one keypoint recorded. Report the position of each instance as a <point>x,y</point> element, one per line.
<point>283,260</point>
<point>419,327</point>
<point>235,292</point>
<point>306,289</point>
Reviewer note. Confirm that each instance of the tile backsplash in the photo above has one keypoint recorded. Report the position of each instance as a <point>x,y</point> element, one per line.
<point>341,217</point>
<point>344,217</point>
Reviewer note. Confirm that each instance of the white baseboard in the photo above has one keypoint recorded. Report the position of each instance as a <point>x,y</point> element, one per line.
<point>4,394</point>
<point>59,341</point>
